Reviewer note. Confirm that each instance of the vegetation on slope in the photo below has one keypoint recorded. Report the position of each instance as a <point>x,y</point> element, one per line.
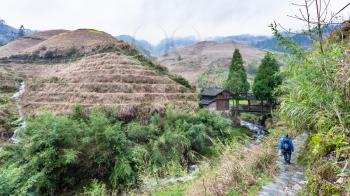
<point>315,98</point>
<point>241,169</point>
<point>8,110</point>
<point>58,154</point>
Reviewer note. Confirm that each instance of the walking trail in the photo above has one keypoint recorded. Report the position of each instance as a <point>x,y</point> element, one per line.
<point>291,179</point>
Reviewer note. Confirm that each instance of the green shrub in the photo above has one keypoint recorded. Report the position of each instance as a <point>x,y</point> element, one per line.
<point>61,152</point>
<point>138,133</point>
<point>181,81</point>
<point>96,189</point>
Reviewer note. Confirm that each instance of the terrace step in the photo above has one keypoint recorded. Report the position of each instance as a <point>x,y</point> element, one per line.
<point>108,98</point>
<point>89,73</point>
<point>123,78</point>
<point>107,87</point>
<point>124,109</point>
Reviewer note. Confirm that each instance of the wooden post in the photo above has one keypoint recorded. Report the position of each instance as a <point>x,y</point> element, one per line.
<point>262,107</point>
<point>237,106</point>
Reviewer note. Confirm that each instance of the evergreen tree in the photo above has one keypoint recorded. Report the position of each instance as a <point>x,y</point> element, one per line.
<point>237,82</point>
<point>267,78</point>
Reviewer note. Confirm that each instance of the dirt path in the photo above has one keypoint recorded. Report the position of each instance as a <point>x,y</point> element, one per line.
<point>291,179</point>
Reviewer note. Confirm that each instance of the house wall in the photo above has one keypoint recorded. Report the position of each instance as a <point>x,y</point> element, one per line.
<point>223,101</point>
<point>222,105</point>
<point>212,107</point>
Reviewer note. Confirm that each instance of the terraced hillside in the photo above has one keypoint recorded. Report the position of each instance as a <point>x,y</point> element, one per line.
<point>101,71</point>
<point>210,60</point>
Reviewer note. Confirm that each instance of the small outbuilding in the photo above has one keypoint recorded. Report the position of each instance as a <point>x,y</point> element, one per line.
<point>215,99</point>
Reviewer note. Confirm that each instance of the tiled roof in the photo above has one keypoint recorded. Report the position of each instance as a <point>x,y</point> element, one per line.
<point>206,101</point>
<point>212,91</point>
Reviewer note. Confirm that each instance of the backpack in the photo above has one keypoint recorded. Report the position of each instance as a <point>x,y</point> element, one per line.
<point>286,145</point>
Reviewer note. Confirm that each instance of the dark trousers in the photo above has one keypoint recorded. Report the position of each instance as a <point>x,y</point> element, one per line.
<point>287,156</point>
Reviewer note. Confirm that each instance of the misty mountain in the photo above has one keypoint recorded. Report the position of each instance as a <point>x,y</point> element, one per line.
<point>269,43</point>
<point>167,45</point>
<point>272,44</point>
<point>8,33</point>
<point>142,45</point>
<point>163,47</point>
<point>242,39</point>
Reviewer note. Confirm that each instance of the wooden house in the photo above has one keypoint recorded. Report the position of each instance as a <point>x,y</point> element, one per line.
<point>215,99</point>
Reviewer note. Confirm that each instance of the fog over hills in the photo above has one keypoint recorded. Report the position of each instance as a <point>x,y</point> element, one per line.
<point>258,41</point>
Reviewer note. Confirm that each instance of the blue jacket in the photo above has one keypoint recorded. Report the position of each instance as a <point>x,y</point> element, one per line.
<point>289,141</point>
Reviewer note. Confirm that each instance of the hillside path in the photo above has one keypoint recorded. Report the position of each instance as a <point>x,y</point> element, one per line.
<point>291,179</point>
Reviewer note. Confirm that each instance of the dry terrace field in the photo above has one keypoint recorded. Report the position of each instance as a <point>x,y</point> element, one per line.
<point>109,78</point>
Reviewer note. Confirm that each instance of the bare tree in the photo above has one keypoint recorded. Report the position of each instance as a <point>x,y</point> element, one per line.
<point>317,14</point>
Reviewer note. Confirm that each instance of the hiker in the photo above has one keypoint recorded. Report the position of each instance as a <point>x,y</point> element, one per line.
<point>286,147</point>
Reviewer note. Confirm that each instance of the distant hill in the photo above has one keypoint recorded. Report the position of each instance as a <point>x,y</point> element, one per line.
<point>163,47</point>
<point>168,44</point>
<point>206,63</point>
<point>272,44</point>
<point>142,45</point>
<point>243,39</point>
<point>19,45</point>
<point>8,33</point>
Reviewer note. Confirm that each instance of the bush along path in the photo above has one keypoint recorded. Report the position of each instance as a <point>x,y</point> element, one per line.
<point>291,179</point>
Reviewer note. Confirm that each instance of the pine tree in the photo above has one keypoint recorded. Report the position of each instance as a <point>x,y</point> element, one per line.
<point>267,78</point>
<point>237,82</point>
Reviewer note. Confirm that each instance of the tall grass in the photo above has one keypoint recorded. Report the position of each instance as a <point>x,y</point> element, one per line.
<point>312,99</point>
<point>241,169</point>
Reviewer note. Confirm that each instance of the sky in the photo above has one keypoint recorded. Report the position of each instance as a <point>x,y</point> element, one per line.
<point>154,20</point>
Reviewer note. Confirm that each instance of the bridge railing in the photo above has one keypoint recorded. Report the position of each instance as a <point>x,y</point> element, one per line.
<point>253,108</point>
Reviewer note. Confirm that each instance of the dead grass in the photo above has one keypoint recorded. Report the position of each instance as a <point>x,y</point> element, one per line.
<point>107,79</point>
<point>198,58</point>
<point>118,78</point>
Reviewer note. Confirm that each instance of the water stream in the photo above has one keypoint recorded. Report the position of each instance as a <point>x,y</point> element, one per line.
<point>16,97</point>
<point>151,184</point>
<point>258,131</point>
